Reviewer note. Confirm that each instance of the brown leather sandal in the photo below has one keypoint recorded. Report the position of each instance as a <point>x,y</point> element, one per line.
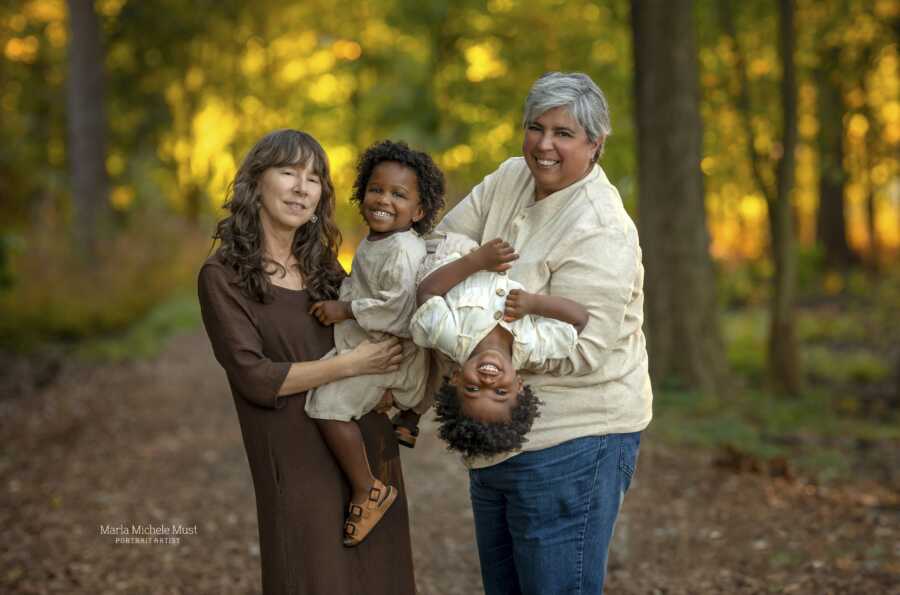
<point>406,435</point>
<point>362,519</point>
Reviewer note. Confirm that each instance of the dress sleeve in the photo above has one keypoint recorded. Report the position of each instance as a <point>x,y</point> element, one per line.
<point>598,272</point>
<point>392,303</point>
<point>236,341</point>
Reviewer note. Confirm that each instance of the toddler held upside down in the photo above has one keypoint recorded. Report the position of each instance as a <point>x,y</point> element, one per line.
<point>490,328</point>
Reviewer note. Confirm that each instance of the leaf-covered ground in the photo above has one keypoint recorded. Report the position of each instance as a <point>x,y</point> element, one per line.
<point>158,443</point>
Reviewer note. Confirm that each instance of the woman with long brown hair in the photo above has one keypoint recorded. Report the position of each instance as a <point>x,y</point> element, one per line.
<point>277,256</point>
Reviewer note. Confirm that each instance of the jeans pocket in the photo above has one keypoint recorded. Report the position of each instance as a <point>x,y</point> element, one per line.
<point>628,454</point>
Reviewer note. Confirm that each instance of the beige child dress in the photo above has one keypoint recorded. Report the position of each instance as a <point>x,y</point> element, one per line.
<point>382,292</point>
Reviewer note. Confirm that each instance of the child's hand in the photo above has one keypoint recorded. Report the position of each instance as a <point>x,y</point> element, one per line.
<point>496,255</point>
<point>518,304</point>
<point>330,311</point>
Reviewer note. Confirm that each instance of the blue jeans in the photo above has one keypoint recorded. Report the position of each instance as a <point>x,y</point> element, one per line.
<point>544,519</point>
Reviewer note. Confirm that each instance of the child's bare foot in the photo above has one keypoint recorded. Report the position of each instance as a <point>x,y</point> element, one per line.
<point>406,427</point>
<point>364,514</point>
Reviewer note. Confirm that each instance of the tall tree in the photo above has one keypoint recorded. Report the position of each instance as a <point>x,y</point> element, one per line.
<point>782,354</point>
<point>784,364</point>
<point>86,123</point>
<point>831,227</point>
<point>683,333</point>
<point>832,82</point>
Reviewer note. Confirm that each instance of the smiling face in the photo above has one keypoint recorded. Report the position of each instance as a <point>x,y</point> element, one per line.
<point>391,202</point>
<point>557,151</point>
<point>289,195</point>
<point>487,386</point>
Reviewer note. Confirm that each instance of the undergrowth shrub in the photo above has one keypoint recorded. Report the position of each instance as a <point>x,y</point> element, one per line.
<point>58,295</point>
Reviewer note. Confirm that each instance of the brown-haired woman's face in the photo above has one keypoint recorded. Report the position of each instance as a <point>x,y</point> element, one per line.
<point>290,195</point>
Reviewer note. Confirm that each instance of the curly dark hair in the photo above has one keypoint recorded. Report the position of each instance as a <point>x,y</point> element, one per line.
<point>477,438</point>
<point>315,243</point>
<point>429,175</point>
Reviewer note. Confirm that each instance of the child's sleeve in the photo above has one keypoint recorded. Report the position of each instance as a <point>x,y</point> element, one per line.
<point>392,301</point>
<point>434,326</point>
<point>551,340</point>
<point>443,249</point>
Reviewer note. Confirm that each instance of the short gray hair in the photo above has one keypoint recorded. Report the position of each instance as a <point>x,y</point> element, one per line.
<point>576,92</point>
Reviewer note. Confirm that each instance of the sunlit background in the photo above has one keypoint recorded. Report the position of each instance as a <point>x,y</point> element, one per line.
<point>189,86</point>
<point>107,385</point>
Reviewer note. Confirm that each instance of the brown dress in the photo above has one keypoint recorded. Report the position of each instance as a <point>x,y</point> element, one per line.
<point>301,494</point>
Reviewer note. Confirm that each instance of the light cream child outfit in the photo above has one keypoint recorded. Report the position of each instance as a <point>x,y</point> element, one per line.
<point>381,292</point>
<point>457,321</point>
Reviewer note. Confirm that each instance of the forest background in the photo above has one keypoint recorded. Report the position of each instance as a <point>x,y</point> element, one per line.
<point>755,143</point>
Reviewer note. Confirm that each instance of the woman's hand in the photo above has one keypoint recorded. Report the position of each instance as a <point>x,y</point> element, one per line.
<point>518,304</point>
<point>330,311</point>
<point>495,255</point>
<point>375,358</point>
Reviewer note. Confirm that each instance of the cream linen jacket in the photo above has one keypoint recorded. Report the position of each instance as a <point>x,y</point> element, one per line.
<point>578,243</point>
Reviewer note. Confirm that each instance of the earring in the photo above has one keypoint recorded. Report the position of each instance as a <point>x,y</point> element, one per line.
<point>314,218</point>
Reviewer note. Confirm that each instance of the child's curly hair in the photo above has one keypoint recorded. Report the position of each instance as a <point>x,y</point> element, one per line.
<point>429,175</point>
<point>476,438</point>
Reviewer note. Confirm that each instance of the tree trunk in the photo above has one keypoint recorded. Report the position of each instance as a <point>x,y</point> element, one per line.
<point>831,227</point>
<point>683,336</point>
<point>874,260</point>
<point>872,229</point>
<point>86,124</point>
<point>783,361</point>
<point>784,365</point>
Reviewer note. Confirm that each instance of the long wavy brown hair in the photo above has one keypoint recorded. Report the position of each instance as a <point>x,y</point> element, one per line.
<point>315,244</point>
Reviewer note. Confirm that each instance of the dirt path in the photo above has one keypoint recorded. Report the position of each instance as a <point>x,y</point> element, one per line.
<point>157,443</point>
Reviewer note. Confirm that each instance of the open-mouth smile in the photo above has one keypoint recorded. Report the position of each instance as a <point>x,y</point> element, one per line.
<point>489,369</point>
<point>379,214</point>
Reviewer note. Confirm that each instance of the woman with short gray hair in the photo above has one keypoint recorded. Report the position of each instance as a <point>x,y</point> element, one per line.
<point>544,515</point>
<point>577,92</point>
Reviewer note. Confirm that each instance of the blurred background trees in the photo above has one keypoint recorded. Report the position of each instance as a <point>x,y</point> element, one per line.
<point>756,144</point>
<point>86,116</point>
<point>680,304</point>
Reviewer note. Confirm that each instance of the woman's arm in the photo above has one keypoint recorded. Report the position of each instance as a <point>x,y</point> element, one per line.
<point>235,339</point>
<point>366,358</point>
<point>519,303</point>
<point>238,347</point>
<point>601,271</point>
<point>469,216</point>
<point>495,255</point>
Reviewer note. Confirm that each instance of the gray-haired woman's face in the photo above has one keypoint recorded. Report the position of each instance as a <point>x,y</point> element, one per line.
<point>557,151</point>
